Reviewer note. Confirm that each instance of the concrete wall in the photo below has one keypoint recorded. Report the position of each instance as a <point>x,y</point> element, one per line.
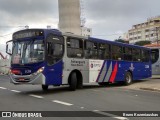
<point>69,16</point>
<point>4,66</point>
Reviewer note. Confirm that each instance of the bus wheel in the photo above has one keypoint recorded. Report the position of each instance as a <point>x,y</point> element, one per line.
<point>128,78</point>
<point>73,81</point>
<point>45,87</point>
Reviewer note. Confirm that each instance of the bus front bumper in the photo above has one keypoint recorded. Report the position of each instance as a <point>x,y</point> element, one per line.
<point>28,79</point>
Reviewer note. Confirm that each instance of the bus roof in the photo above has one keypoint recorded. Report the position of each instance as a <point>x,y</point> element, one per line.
<point>89,38</point>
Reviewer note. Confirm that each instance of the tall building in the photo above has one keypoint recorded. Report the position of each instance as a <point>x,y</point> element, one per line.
<point>69,16</point>
<point>147,31</point>
<point>70,20</point>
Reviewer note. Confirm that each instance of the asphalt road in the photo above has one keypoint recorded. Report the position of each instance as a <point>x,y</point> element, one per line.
<point>98,100</point>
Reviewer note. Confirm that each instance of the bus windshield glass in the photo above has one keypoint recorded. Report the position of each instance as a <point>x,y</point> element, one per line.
<point>27,52</point>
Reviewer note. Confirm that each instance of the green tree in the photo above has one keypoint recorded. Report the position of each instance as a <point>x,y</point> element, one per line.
<point>121,40</point>
<point>142,43</point>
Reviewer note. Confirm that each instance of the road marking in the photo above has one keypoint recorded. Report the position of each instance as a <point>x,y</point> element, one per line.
<point>36,96</point>
<point>95,110</point>
<point>121,118</point>
<point>82,107</point>
<point>16,91</point>
<point>3,88</point>
<point>63,103</point>
<point>110,115</point>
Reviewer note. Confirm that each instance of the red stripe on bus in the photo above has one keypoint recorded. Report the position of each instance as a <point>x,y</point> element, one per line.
<point>114,73</point>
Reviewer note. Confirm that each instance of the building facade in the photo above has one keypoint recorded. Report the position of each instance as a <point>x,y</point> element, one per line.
<point>147,31</point>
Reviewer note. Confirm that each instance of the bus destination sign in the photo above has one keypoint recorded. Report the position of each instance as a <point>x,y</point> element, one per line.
<point>27,33</point>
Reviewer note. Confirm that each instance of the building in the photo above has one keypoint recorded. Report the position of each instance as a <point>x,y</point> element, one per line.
<point>147,31</point>
<point>70,18</point>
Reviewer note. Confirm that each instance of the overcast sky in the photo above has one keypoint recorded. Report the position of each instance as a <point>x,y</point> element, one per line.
<point>105,17</point>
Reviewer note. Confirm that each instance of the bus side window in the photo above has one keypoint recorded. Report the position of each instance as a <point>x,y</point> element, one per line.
<point>74,48</point>
<point>117,52</point>
<point>91,50</point>
<point>104,51</point>
<point>154,55</point>
<point>127,54</point>
<point>55,49</point>
<point>145,56</point>
<point>136,54</point>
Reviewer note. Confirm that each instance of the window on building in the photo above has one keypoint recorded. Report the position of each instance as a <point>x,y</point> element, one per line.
<point>91,50</point>
<point>74,48</point>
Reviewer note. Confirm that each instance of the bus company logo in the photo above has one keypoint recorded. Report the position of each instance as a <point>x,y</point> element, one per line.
<point>132,67</point>
<point>6,114</point>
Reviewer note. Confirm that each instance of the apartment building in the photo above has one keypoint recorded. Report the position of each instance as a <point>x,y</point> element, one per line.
<point>147,31</point>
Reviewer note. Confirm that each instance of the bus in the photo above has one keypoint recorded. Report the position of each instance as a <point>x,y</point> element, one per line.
<point>50,57</point>
<point>155,57</point>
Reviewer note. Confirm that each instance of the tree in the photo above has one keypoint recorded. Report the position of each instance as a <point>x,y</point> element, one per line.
<point>142,43</point>
<point>121,40</point>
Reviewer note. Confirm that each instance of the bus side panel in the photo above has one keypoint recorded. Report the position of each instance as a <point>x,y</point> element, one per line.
<point>141,70</point>
<point>123,67</point>
<point>53,74</point>
<point>71,64</point>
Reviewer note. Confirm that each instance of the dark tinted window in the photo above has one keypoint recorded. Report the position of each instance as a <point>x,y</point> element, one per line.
<point>91,50</point>
<point>136,53</point>
<point>117,52</point>
<point>127,54</point>
<point>74,48</point>
<point>145,56</point>
<point>55,49</point>
<point>154,55</point>
<point>104,51</point>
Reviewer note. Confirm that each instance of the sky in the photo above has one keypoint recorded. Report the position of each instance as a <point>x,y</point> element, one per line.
<point>109,19</point>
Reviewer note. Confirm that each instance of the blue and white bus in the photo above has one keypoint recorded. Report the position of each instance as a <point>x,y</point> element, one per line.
<point>50,57</point>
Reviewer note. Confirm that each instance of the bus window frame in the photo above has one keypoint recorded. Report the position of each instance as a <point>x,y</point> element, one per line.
<point>46,49</point>
<point>80,43</point>
<point>95,50</point>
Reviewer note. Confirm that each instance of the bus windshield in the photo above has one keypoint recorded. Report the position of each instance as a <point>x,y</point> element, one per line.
<point>27,52</point>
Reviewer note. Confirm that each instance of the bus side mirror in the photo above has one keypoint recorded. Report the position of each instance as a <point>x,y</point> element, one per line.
<point>9,47</point>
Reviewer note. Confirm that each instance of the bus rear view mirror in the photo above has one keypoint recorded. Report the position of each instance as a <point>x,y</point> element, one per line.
<point>9,47</point>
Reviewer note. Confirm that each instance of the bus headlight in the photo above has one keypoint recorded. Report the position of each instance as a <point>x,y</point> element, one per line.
<point>40,70</point>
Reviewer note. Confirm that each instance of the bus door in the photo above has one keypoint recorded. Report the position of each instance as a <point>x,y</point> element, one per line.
<point>54,63</point>
<point>155,62</point>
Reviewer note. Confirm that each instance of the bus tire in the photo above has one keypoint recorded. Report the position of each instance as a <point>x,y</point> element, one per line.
<point>128,78</point>
<point>45,87</point>
<point>73,82</point>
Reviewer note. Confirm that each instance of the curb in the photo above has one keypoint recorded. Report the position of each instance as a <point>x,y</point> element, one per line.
<point>151,89</point>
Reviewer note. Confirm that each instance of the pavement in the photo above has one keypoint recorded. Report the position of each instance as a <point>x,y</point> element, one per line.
<point>151,84</point>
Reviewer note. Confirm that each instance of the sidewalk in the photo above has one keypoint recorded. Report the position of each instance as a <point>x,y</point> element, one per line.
<point>151,84</point>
